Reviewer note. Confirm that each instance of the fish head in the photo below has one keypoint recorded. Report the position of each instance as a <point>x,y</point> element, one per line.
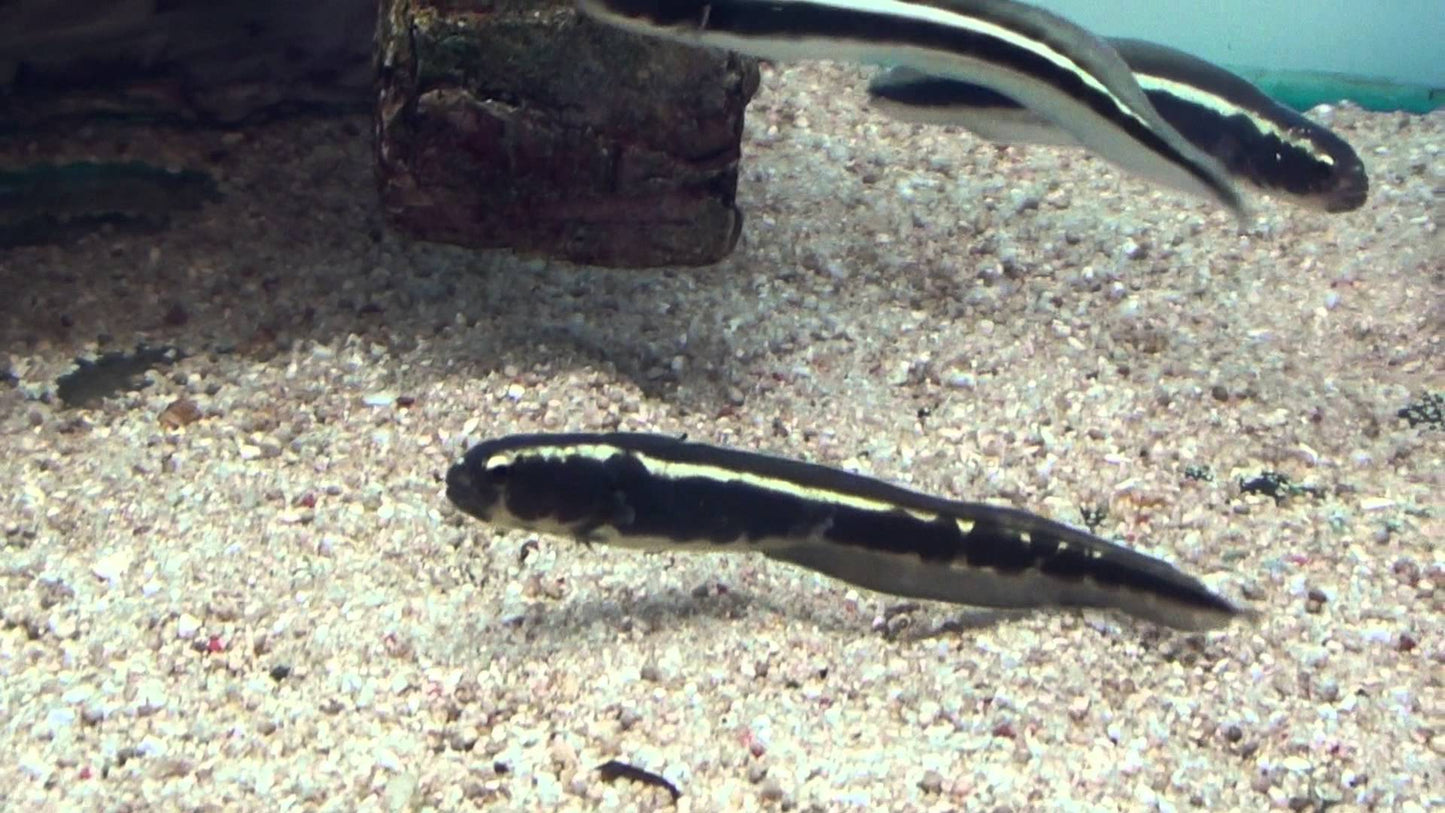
<point>1317,170</point>
<point>1349,186</point>
<point>476,488</point>
<point>561,484</point>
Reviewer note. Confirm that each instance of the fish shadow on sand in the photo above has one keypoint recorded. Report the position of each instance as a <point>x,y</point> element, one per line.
<point>674,611</point>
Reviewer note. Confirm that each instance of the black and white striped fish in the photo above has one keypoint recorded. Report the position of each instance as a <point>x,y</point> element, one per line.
<point>654,492</point>
<point>1259,141</point>
<point>1055,68</point>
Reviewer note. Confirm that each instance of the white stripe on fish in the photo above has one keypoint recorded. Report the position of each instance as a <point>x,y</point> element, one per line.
<point>1054,67</point>
<point>1258,140</point>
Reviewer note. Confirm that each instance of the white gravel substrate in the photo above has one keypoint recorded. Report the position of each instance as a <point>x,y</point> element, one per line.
<point>274,606</point>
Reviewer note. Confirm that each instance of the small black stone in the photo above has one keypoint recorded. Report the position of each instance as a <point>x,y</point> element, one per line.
<point>1270,483</point>
<point>1429,411</point>
<point>1201,473</point>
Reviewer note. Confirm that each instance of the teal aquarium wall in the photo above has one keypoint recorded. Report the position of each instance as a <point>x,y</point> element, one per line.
<point>1380,54</point>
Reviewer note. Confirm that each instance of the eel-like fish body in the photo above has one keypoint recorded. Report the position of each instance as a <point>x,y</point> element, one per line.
<point>1258,140</point>
<point>654,492</point>
<point>1060,71</point>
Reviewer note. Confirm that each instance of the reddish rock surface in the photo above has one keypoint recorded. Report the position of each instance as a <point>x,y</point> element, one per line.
<point>518,124</point>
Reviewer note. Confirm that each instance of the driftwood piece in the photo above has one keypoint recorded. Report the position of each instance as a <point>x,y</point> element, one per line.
<point>516,123</point>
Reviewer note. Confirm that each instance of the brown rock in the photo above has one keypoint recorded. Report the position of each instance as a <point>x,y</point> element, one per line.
<point>179,413</point>
<point>516,123</point>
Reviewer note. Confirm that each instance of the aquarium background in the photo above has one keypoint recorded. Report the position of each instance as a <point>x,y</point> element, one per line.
<point>1383,56</point>
<point>232,386</point>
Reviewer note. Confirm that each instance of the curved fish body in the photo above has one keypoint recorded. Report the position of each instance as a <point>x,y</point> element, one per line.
<point>1060,71</point>
<point>1259,141</point>
<point>654,492</point>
